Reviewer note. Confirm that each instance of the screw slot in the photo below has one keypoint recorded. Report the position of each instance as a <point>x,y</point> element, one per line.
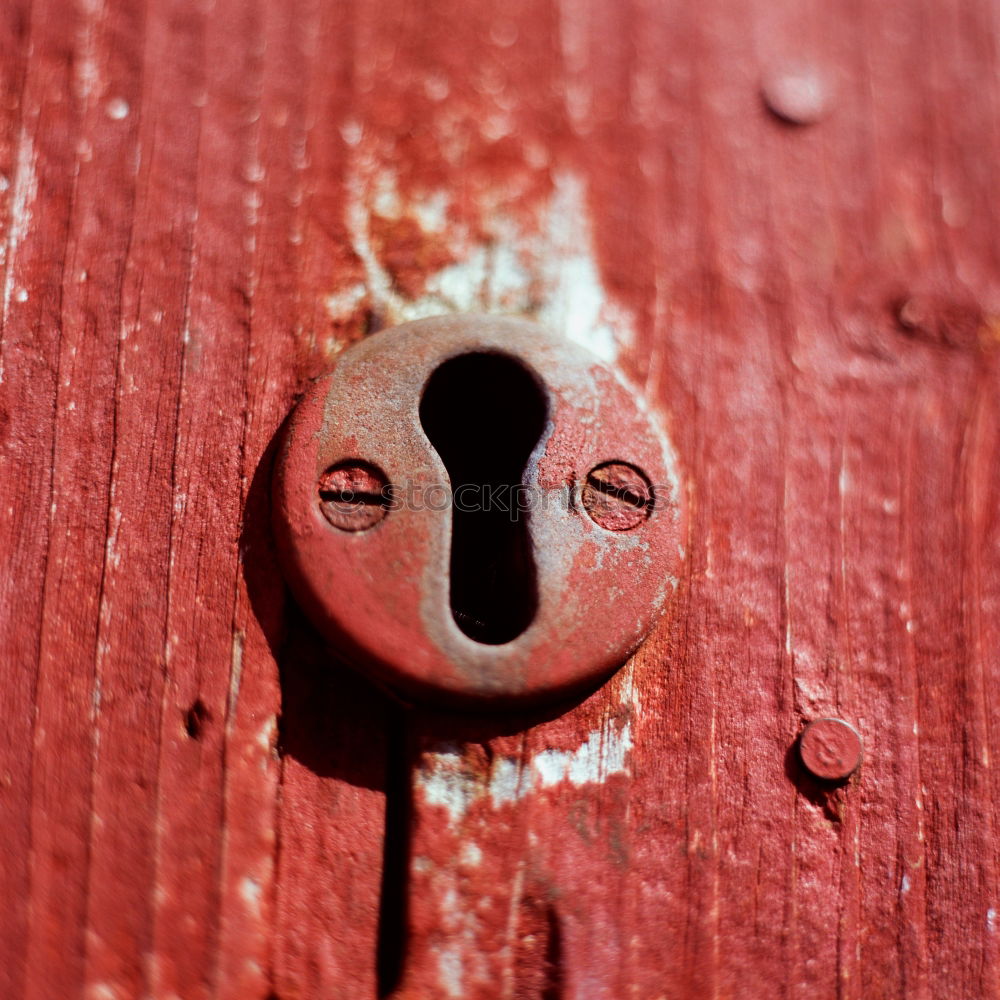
<point>617,496</point>
<point>354,495</point>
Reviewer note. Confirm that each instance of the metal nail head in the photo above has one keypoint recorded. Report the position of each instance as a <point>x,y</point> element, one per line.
<point>830,749</point>
<point>799,95</point>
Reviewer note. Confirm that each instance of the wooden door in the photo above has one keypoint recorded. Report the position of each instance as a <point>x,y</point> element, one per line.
<point>203,201</point>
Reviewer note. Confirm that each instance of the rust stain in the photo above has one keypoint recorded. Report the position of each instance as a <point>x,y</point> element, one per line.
<point>409,254</point>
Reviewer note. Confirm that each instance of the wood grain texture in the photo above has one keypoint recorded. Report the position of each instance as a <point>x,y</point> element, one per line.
<point>201,203</point>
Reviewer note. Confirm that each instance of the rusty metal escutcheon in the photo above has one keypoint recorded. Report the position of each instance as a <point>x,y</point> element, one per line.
<point>381,554</point>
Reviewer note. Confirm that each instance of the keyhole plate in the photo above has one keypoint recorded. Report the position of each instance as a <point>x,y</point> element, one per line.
<point>591,563</point>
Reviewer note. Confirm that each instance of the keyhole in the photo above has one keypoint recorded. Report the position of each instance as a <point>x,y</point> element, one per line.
<point>484,413</point>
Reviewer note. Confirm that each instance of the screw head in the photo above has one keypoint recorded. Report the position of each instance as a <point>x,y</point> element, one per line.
<point>830,749</point>
<point>799,95</point>
<point>353,495</point>
<point>617,496</point>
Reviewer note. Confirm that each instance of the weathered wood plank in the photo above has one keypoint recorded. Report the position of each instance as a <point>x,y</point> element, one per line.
<point>201,204</point>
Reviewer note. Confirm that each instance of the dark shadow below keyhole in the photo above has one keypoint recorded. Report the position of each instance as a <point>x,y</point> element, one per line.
<point>484,413</point>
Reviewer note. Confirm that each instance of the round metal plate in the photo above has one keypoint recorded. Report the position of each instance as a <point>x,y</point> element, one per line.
<point>382,594</point>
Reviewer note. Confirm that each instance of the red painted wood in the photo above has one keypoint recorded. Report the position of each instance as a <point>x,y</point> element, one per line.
<point>200,204</point>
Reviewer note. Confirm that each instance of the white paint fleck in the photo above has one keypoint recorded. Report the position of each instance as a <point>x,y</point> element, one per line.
<point>251,892</point>
<point>450,970</point>
<point>117,109</point>
<point>576,303</point>
<point>788,611</point>
<point>266,734</point>
<point>86,75</point>
<point>377,280</point>
<point>505,781</point>
<point>22,201</point>
<point>386,200</point>
<point>904,887</point>
<point>341,305</point>
<point>447,782</point>
<point>628,691</point>
<point>235,674</point>
<point>432,212</point>
<point>991,920</point>
<point>471,855</point>
<point>112,552</point>
<point>813,693</point>
<point>437,88</point>
<point>254,172</point>
<point>458,283</point>
<point>102,991</point>
<point>602,755</point>
<point>21,295</point>
<point>495,127</point>
<point>352,131</point>
<point>460,962</point>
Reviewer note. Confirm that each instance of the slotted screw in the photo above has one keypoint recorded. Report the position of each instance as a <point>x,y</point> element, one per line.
<point>353,495</point>
<point>617,496</point>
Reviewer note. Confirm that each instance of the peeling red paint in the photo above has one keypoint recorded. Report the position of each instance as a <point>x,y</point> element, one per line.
<point>177,270</point>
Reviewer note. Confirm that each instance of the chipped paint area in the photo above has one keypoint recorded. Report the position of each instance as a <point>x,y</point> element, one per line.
<point>604,753</point>
<point>447,779</point>
<point>600,756</point>
<point>454,868</point>
<point>459,961</point>
<point>419,259</point>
